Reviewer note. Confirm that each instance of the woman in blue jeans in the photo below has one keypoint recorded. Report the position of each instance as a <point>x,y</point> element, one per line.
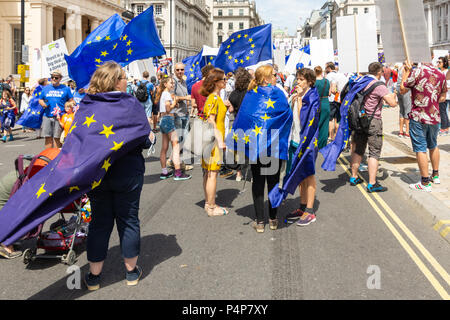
<point>117,198</point>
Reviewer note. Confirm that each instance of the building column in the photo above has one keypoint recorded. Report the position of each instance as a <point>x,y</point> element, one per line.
<point>36,35</point>
<point>49,14</point>
<point>70,30</point>
<point>94,24</point>
<point>78,30</point>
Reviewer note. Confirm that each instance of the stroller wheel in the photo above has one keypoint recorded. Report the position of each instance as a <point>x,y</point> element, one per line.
<point>70,258</point>
<point>28,255</point>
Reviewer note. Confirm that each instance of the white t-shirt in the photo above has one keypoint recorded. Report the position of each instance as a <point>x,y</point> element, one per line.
<point>448,85</point>
<point>166,96</point>
<point>340,80</point>
<point>296,124</point>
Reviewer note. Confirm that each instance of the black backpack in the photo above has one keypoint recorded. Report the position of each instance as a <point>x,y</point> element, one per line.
<point>142,92</point>
<point>358,119</point>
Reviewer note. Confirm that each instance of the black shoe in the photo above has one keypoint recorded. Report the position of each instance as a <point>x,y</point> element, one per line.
<point>376,188</point>
<point>92,282</point>
<point>134,276</point>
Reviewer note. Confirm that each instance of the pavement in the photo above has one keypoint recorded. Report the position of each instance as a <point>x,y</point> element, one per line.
<point>400,162</point>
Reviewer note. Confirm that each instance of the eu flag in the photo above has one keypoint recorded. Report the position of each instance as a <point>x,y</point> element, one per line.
<point>32,117</point>
<point>100,135</point>
<point>245,48</point>
<point>304,161</point>
<point>193,69</point>
<point>332,151</point>
<point>262,125</point>
<point>139,39</point>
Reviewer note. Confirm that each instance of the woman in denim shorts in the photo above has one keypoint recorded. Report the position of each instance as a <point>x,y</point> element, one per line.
<point>167,106</point>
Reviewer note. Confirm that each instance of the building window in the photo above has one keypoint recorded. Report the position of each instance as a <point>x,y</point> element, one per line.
<point>366,10</point>
<point>230,12</point>
<point>355,10</point>
<point>160,32</point>
<point>230,26</point>
<point>16,49</point>
<point>220,26</point>
<point>379,39</point>
<point>220,12</point>
<point>241,12</point>
<point>219,40</point>
<point>139,8</point>
<point>158,9</point>
<point>241,25</point>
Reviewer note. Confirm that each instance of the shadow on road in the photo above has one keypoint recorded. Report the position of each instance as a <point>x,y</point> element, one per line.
<point>331,185</point>
<point>155,249</point>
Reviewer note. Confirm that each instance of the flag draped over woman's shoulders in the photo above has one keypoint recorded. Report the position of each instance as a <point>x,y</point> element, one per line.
<point>262,125</point>
<point>304,160</point>
<point>332,151</point>
<point>32,117</point>
<point>106,127</point>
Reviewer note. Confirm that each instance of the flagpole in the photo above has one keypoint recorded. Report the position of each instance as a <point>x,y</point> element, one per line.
<point>171,28</point>
<point>356,42</point>
<point>402,28</point>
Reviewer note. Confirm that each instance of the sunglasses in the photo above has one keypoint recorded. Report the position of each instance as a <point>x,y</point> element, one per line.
<point>56,78</point>
<point>179,69</point>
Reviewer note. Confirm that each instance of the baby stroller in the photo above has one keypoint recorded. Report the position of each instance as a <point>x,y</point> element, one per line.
<point>64,235</point>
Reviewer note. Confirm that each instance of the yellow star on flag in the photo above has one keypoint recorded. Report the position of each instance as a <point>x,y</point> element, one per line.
<point>95,184</point>
<point>246,139</point>
<point>250,40</point>
<point>247,58</point>
<point>252,52</point>
<point>315,143</point>
<point>115,46</point>
<point>230,58</point>
<point>242,61</point>
<point>235,137</point>
<point>246,36</point>
<point>257,130</point>
<point>89,120</point>
<point>311,122</point>
<point>129,51</point>
<point>239,36</point>
<point>117,146</point>
<point>232,40</point>
<point>107,131</point>
<point>74,188</point>
<point>129,43</point>
<point>227,52</point>
<point>106,164</point>
<point>253,46</point>
<point>73,127</point>
<point>255,90</point>
<point>89,42</point>
<point>125,37</point>
<point>98,38</point>
<point>98,61</point>
<point>236,60</point>
<point>104,53</point>
<point>300,154</point>
<point>107,38</point>
<point>41,190</point>
<point>228,47</point>
<point>265,118</point>
<point>270,104</point>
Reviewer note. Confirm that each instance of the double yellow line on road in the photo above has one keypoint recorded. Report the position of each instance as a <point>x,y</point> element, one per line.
<point>431,260</point>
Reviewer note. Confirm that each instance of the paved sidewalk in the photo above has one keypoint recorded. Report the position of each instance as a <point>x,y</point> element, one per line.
<point>399,160</point>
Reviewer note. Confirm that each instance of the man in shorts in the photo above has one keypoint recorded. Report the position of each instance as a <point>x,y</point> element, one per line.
<point>428,88</point>
<point>53,99</point>
<point>374,138</point>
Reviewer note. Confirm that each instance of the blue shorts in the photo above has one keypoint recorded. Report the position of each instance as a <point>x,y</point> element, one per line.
<point>423,136</point>
<point>167,124</point>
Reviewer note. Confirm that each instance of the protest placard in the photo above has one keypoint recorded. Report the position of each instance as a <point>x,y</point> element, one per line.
<point>53,59</point>
<point>321,52</point>
<point>279,58</point>
<point>357,42</point>
<point>403,30</point>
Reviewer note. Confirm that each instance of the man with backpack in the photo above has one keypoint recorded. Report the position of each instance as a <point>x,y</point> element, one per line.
<point>369,129</point>
<point>144,93</point>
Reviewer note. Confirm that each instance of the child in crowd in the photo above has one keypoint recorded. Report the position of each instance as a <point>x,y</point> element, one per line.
<point>67,119</point>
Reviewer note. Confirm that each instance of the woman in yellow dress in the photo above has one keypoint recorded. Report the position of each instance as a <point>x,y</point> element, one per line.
<point>214,112</point>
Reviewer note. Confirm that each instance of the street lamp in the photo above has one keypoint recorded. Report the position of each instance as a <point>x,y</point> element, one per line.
<point>330,9</point>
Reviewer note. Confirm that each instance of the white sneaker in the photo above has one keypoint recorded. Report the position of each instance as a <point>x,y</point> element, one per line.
<point>419,186</point>
<point>436,180</point>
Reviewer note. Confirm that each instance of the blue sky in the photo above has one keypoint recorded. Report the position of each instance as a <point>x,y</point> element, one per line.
<point>287,13</point>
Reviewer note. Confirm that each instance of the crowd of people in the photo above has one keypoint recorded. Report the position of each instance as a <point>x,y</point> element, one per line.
<point>421,92</point>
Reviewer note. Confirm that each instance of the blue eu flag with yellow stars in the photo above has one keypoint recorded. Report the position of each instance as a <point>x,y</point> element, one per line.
<point>262,125</point>
<point>245,48</point>
<point>304,159</point>
<point>332,151</point>
<point>32,117</point>
<point>99,136</point>
<point>137,40</point>
<point>193,69</point>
